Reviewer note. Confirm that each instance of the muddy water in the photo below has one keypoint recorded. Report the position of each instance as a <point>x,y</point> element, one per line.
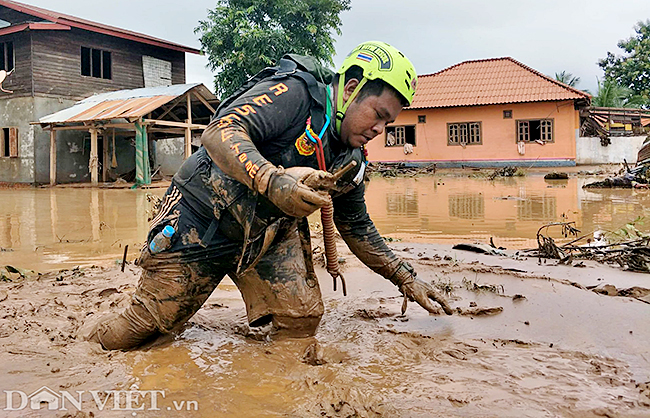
<point>448,209</point>
<point>49,229</point>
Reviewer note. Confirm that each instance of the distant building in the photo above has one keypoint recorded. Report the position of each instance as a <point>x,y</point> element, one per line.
<point>57,60</point>
<point>490,112</point>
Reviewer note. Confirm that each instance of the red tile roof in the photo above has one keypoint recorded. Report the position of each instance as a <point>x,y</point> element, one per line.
<point>89,25</point>
<point>489,81</point>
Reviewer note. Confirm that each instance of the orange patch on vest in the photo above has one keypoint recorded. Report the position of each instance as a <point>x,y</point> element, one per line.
<point>305,146</point>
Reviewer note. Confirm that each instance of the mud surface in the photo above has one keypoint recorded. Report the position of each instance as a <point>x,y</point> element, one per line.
<point>534,341</point>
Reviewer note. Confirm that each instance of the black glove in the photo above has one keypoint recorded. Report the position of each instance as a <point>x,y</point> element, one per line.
<point>418,291</point>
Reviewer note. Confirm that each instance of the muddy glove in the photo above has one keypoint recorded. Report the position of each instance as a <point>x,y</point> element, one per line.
<point>418,291</point>
<point>288,188</point>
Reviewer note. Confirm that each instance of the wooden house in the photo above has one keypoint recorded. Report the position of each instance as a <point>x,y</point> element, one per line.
<point>490,112</point>
<point>54,60</point>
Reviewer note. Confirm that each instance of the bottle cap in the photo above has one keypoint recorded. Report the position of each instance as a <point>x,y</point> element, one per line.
<point>168,231</point>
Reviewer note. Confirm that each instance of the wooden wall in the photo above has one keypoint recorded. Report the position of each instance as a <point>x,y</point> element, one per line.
<point>57,63</point>
<point>14,17</point>
<point>20,82</point>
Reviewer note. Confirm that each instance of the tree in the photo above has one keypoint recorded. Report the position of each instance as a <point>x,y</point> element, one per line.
<point>612,94</point>
<point>632,69</point>
<point>241,37</point>
<point>567,78</point>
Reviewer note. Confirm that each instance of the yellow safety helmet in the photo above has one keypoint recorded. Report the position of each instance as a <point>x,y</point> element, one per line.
<point>378,60</point>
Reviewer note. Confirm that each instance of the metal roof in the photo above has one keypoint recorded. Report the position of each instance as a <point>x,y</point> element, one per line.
<point>124,103</point>
<point>89,25</point>
<point>489,81</point>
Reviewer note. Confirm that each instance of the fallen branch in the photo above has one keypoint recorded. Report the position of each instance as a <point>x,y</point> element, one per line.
<point>633,254</point>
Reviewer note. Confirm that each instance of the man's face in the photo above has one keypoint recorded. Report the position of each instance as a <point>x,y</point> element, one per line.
<point>367,118</point>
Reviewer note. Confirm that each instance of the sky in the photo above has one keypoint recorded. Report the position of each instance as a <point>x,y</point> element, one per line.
<point>550,36</point>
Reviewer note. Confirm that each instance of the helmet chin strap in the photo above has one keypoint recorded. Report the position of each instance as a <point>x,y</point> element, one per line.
<point>341,108</point>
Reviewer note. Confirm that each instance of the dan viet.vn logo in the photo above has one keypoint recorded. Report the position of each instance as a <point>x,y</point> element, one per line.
<point>111,400</point>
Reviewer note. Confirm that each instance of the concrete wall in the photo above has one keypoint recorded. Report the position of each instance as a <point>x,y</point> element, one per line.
<point>590,151</point>
<point>69,163</point>
<point>125,153</point>
<point>73,156</point>
<point>499,136</point>
<point>169,154</point>
<point>73,147</point>
<point>18,112</point>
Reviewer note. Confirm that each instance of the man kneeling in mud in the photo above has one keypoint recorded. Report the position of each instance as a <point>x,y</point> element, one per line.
<point>238,205</point>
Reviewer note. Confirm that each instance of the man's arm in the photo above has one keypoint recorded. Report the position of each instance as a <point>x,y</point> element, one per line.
<point>268,111</point>
<point>259,116</point>
<point>359,233</point>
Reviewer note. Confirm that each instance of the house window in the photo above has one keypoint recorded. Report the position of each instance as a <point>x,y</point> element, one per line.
<point>422,118</point>
<point>397,136</point>
<point>96,63</point>
<point>7,56</point>
<point>466,133</point>
<point>507,114</point>
<point>9,142</point>
<point>535,130</point>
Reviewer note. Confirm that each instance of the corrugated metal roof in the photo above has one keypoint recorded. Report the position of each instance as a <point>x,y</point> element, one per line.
<point>124,103</point>
<point>489,81</point>
<point>93,26</point>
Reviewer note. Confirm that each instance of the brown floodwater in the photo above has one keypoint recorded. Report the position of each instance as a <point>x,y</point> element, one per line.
<point>556,349</point>
<point>446,209</point>
<point>48,229</point>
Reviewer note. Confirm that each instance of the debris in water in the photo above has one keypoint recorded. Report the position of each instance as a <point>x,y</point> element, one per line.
<point>479,311</point>
<point>478,248</point>
<point>556,176</point>
<point>313,355</point>
<point>633,253</point>
<point>508,171</point>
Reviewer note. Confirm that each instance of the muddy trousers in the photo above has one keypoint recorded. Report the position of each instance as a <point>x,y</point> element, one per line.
<point>277,290</point>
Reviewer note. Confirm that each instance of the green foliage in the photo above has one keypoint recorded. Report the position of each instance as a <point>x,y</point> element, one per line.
<point>628,232</point>
<point>567,78</point>
<point>632,69</point>
<point>241,37</point>
<point>612,94</point>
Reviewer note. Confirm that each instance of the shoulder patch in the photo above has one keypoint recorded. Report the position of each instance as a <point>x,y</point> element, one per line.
<point>305,146</point>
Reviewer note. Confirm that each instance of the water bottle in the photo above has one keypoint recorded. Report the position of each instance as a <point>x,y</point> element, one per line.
<point>162,240</point>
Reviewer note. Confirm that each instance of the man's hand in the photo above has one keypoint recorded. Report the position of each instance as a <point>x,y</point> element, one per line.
<point>314,179</point>
<point>418,291</point>
<point>423,293</point>
<point>299,191</point>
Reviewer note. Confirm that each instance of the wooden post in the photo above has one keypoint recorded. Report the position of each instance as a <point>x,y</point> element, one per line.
<point>93,162</point>
<point>188,129</point>
<point>52,156</point>
<point>105,158</point>
<point>114,158</point>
